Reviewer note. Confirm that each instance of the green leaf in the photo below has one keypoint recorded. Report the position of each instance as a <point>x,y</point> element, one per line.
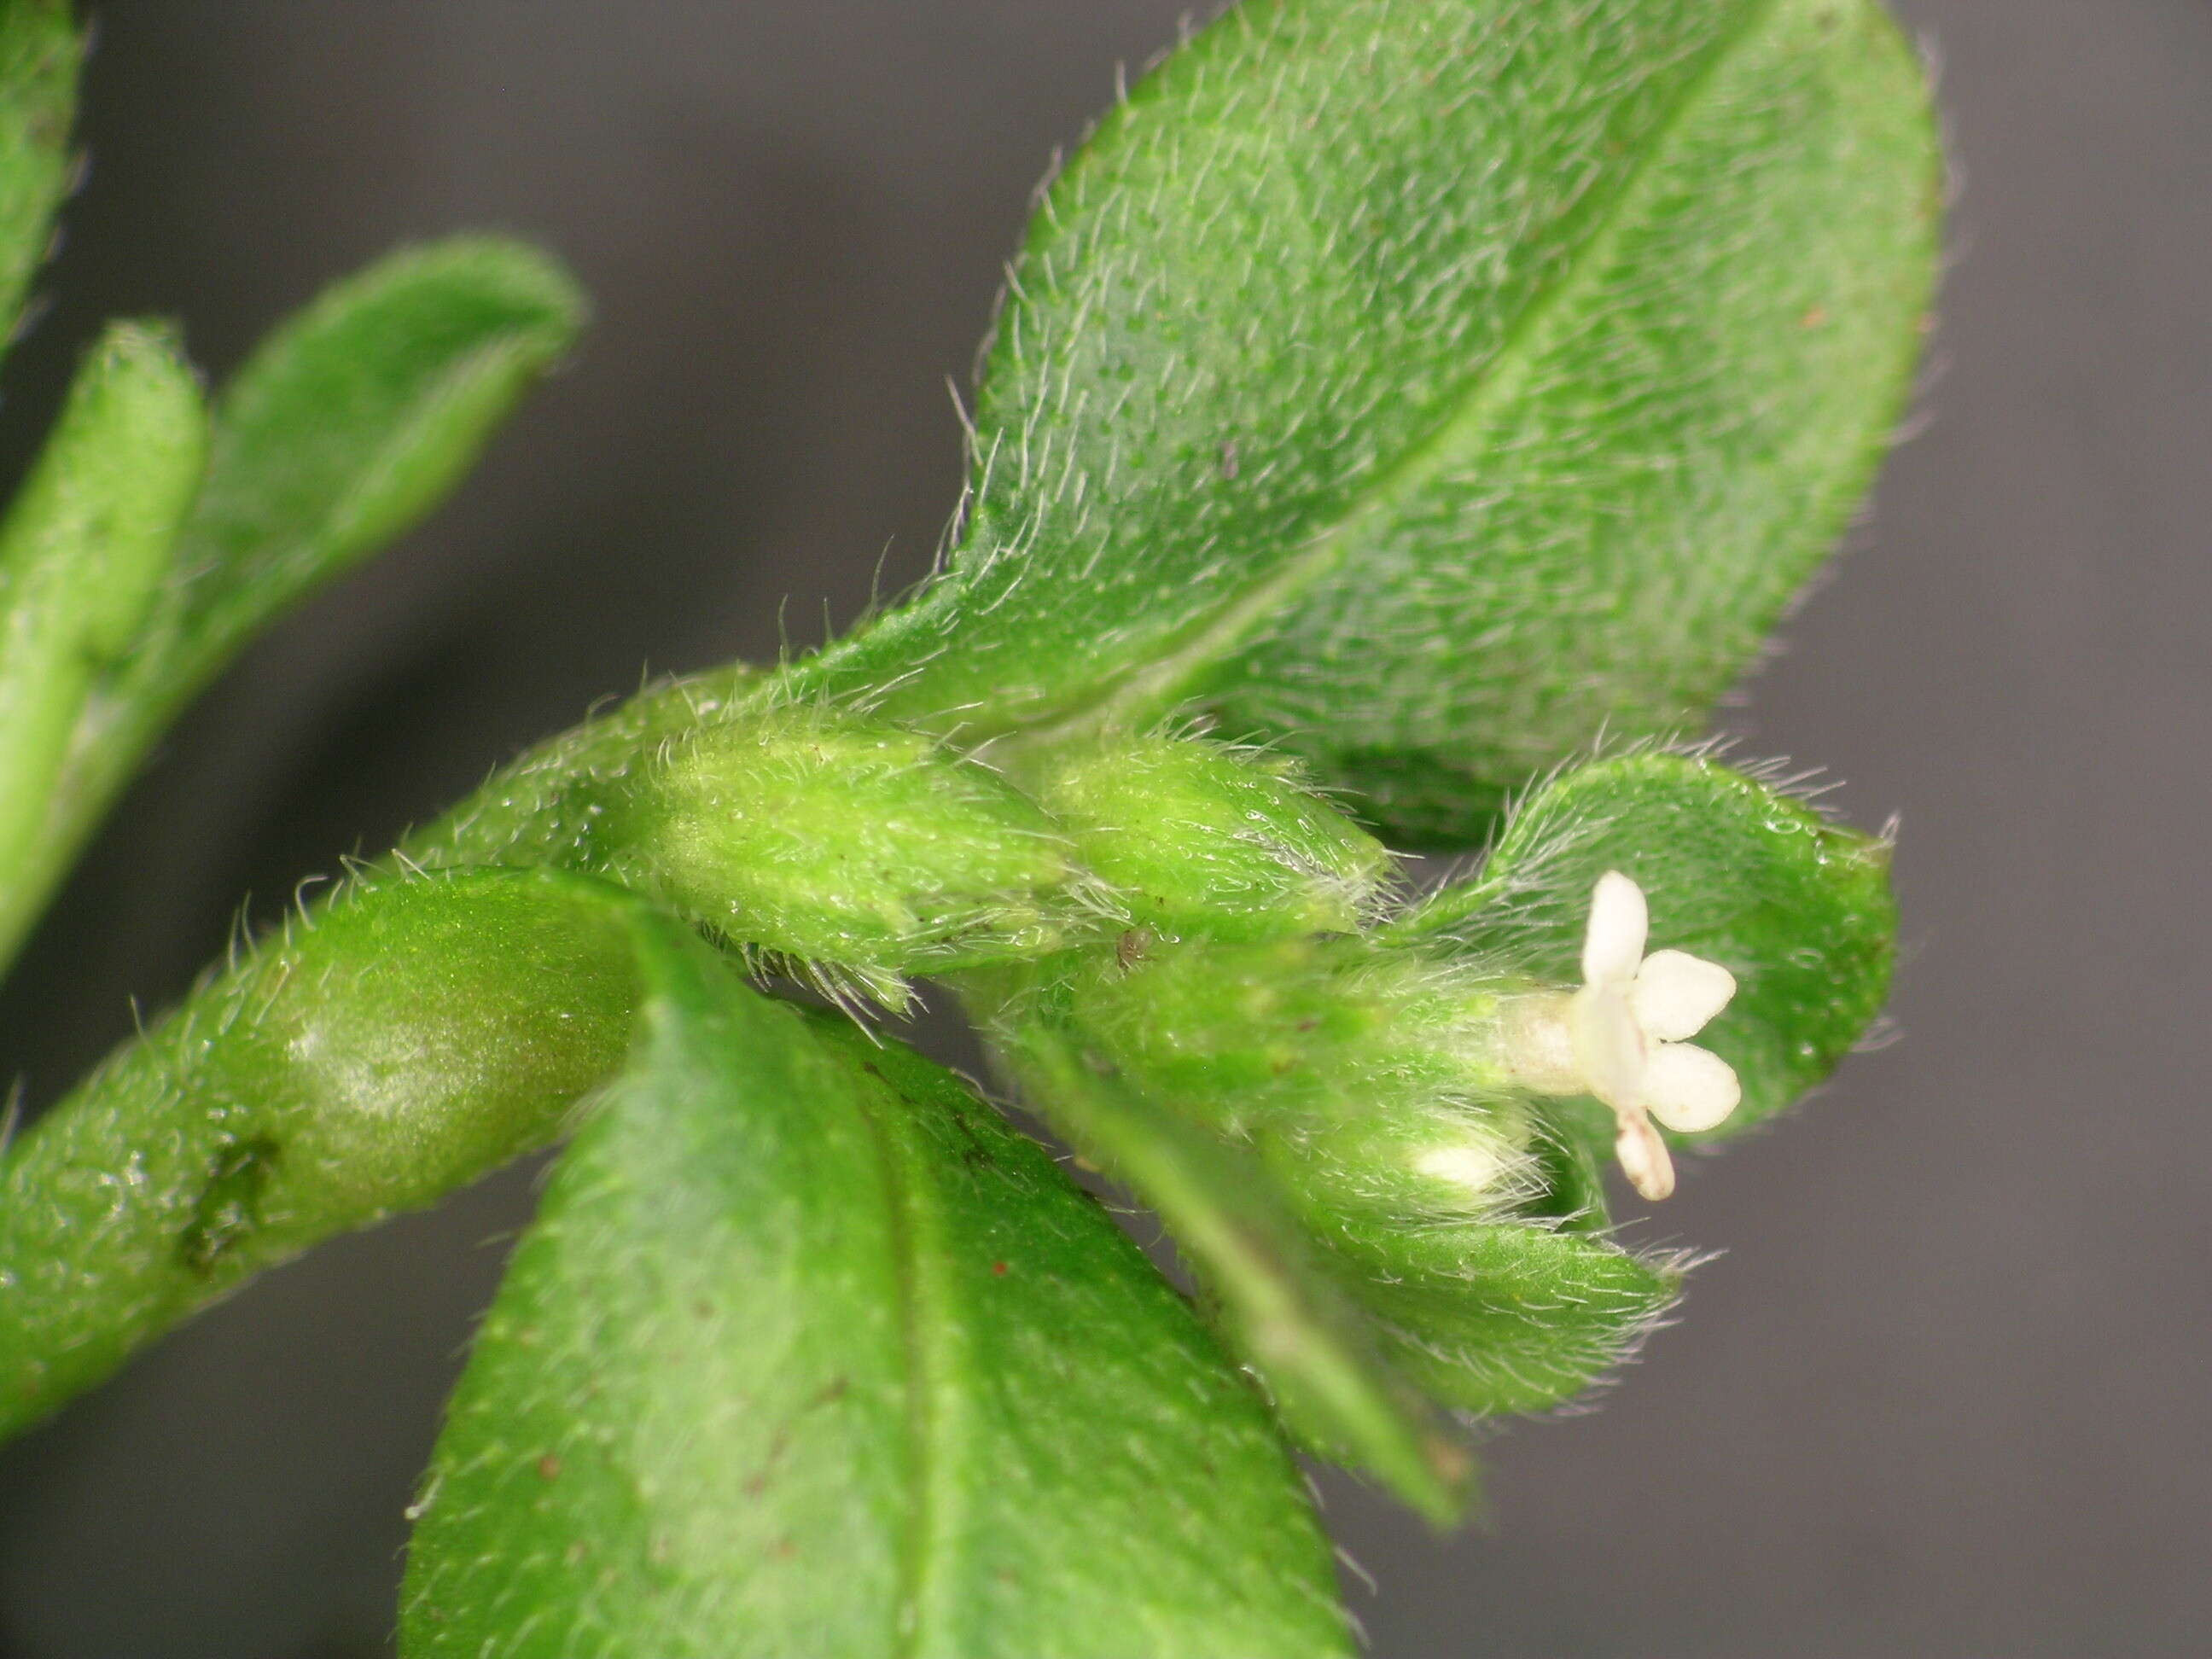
<point>1281,1308</point>
<point>355,418</point>
<point>40,52</point>
<point>1797,909</point>
<point>1429,384</point>
<point>809,1353</point>
<point>84,553</point>
<point>344,428</point>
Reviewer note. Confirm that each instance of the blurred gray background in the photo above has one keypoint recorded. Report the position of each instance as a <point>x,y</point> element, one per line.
<point>1943,1394</point>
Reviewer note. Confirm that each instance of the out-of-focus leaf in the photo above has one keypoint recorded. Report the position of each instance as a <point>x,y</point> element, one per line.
<point>809,1353</point>
<point>1430,383</point>
<point>83,551</point>
<point>39,53</point>
<point>352,421</point>
<point>1797,909</point>
<point>1279,1305</point>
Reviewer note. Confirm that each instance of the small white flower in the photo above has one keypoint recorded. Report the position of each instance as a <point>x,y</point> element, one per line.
<point>1620,1037</point>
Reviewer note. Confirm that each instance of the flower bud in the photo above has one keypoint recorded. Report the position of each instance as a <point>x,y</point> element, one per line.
<point>1198,840</point>
<point>1371,1079</point>
<point>1439,1157</point>
<point>1378,1087</point>
<point>866,851</point>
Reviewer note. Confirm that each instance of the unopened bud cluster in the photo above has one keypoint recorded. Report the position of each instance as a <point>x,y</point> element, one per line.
<point>865,852</point>
<point>1198,915</point>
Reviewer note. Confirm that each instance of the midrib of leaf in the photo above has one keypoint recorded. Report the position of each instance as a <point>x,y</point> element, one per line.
<point>925,1327</point>
<point>1145,692</point>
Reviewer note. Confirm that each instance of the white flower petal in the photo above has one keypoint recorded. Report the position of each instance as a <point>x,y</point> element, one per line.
<point>1612,943</point>
<point>1689,1089</point>
<point>1644,1157</point>
<point>1676,993</point>
<point>1609,1046</point>
<point>1536,1043</point>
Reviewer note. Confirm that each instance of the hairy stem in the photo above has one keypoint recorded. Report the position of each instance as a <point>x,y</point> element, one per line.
<point>403,1041</point>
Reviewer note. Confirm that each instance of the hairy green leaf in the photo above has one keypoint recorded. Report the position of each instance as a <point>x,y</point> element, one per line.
<point>809,1353</point>
<point>84,551</point>
<point>1430,383</point>
<point>1282,1308</point>
<point>1797,909</point>
<point>39,53</point>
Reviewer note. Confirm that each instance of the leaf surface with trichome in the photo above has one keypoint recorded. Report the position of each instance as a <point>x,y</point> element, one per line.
<point>1428,384</point>
<point>809,1353</point>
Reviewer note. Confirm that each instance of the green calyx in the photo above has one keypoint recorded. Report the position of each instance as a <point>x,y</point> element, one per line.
<point>867,851</point>
<point>1371,1079</point>
<point>864,851</point>
<point>859,852</point>
<point>1382,1225</point>
<point>1198,839</point>
<point>1313,1027</point>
